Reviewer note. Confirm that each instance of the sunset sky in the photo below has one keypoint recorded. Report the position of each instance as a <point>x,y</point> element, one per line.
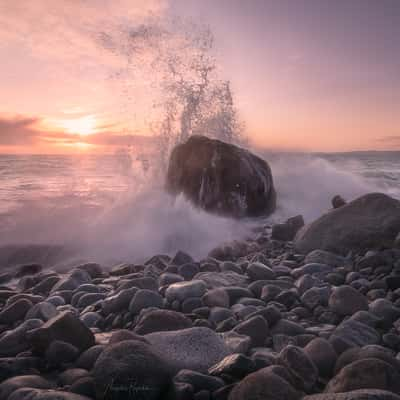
<point>308,75</point>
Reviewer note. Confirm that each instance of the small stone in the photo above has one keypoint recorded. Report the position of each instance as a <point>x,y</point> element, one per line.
<point>256,328</point>
<point>145,299</point>
<point>346,300</point>
<point>61,352</point>
<point>182,290</point>
<point>301,367</point>
<point>236,365</point>
<point>15,311</point>
<point>43,311</point>
<point>258,271</point>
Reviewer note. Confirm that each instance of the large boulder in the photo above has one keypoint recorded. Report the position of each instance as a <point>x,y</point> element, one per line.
<point>221,178</point>
<point>197,349</point>
<point>371,221</point>
<point>65,327</point>
<point>263,385</point>
<point>370,373</point>
<point>130,368</point>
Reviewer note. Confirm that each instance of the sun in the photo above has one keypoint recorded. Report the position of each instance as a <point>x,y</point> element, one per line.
<point>81,126</point>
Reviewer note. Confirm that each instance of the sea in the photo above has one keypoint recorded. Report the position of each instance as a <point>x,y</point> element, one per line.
<point>113,209</point>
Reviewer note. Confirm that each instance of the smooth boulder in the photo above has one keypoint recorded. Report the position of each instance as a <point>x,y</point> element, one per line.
<point>130,367</point>
<point>197,349</point>
<point>65,327</point>
<point>371,221</point>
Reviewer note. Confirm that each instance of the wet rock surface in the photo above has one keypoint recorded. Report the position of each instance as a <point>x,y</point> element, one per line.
<point>221,177</point>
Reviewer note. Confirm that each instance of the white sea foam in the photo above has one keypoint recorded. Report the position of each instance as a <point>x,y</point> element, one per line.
<point>130,217</point>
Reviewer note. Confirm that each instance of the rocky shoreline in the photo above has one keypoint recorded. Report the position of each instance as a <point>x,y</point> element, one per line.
<point>253,320</point>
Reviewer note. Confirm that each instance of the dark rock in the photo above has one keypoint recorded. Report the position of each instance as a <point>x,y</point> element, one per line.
<point>13,366</point>
<point>338,201</point>
<point>144,299</point>
<point>216,279</point>
<point>216,298</point>
<point>270,313</point>
<point>87,359</point>
<point>258,271</point>
<point>71,375</point>
<point>263,385</point>
<point>167,278</point>
<point>256,328</point>
<point>196,349</point>
<point>90,298</point>
<point>371,221</point>
<point>351,333</point>
<point>43,311</point>
<point>324,257</point>
<point>221,178</point>
<point>385,310</point>
<point>65,327</point>
<point>316,297</point>
<point>370,351</point>
<point>161,320</point>
<point>198,380</point>
<point>92,319</point>
<point>93,269</point>
<point>361,394</point>
<point>235,293</point>
<point>300,366</point>
<point>190,304</point>
<point>15,341</point>
<point>183,290</point>
<point>181,258</point>
<point>188,271</point>
<point>28,269</point>
<point>236,343</point>
<point>236,366</point>
<point>124,334</point>
<point>322,354</point>
<point>72,281</point>
<point>286,327</point>
<point>46,285</point>
<point>130,365</point>
<point>369,373</point>
<point>15,311</point>
<point>269,292</point>
<point>118,302</point>
<point>346,300</point>
<point>12,384</point>
<point>219,314</point>
<point>61,352</point>
<point>287,231</point>
<point>38,394</point>
<point>85,387</point>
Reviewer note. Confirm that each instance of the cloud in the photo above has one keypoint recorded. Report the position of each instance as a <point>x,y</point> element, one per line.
<point>28,131</point>
<point>70,29</point>
<point>18,130</point>
<point>393,139</point>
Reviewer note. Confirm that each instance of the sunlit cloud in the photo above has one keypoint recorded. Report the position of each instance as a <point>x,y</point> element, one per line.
<point>394,140</point>
<point>34,132</point>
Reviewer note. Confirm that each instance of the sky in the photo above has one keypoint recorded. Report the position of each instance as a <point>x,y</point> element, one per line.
<point>307,75</point>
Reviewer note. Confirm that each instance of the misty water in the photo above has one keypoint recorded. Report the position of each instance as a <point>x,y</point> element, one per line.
<point>112,208</point>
